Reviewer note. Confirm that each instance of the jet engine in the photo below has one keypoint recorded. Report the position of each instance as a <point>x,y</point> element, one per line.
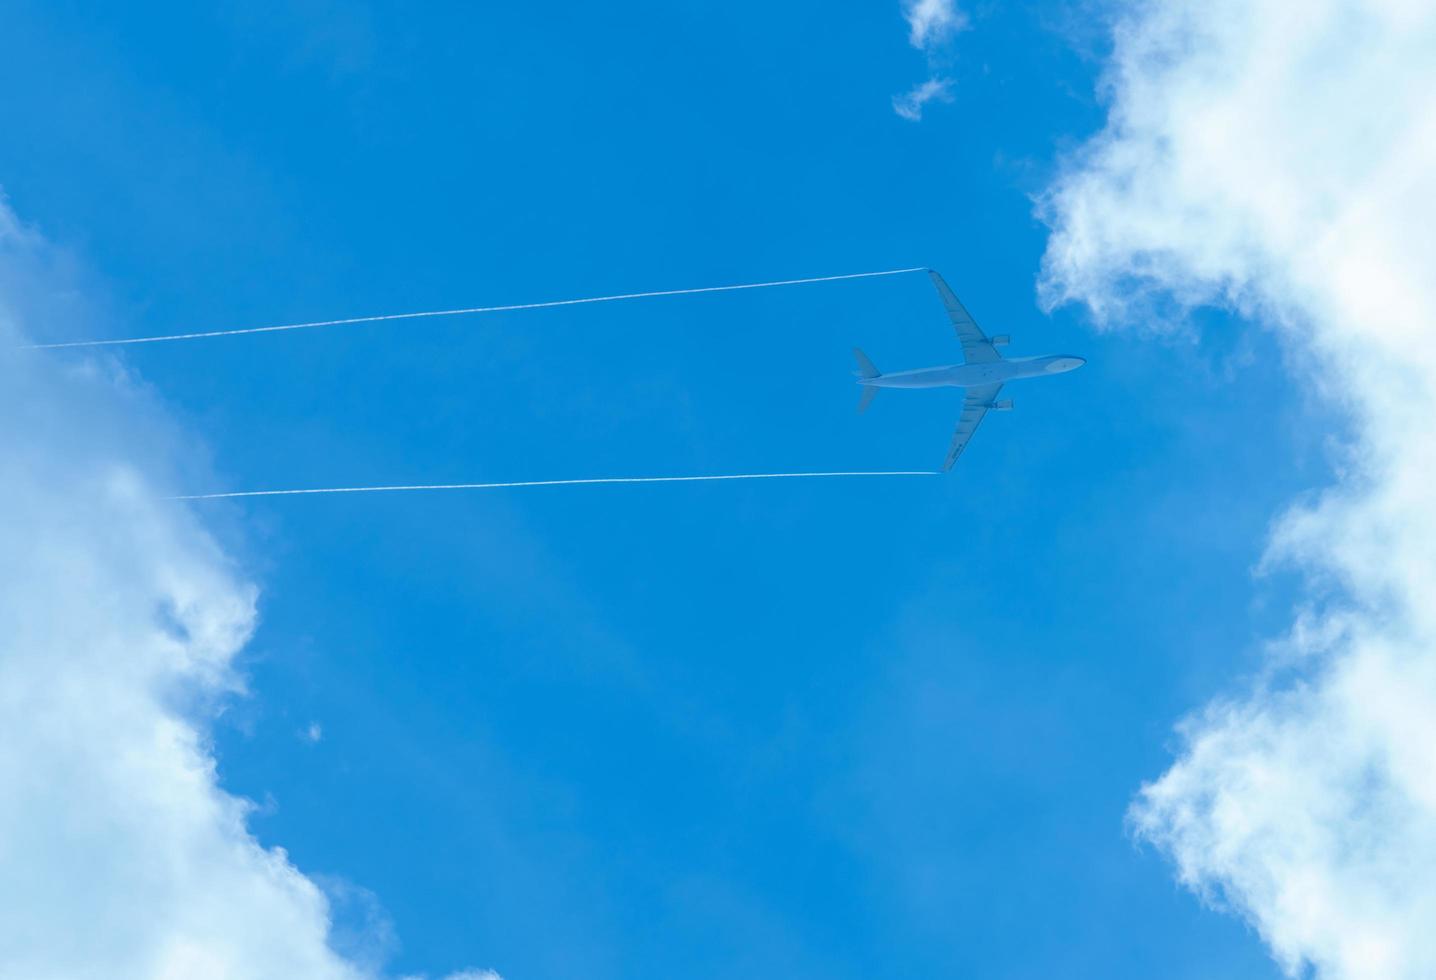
<point>1001,340</point>
<point>1003,406</point>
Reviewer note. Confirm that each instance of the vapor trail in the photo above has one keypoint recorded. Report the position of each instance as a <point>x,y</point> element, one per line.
<point>471,310</point>
<point>552,483</point>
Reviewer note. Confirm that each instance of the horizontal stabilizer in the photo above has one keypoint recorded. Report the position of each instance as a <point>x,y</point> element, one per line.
<point>869,393</point>
<point>866,368</point>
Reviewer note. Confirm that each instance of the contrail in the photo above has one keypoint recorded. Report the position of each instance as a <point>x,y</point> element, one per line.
<point>471,310</point>
<point>552,483</point>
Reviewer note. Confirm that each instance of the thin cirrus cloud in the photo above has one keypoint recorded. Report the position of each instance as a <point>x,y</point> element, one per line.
<point>121,617</point>
<point>931,25</point>
<point>909,105</point>
<point>1279,158</point>
<point>932,22</point>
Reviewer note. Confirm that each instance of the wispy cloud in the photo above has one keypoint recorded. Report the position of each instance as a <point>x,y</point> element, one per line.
<point>1281,159</point>
<point>932,22</point>
<point>120,617</point>
<point>931,25</point>
<point>909,105</point>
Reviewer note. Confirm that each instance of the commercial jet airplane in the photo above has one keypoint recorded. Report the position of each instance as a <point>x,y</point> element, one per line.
<point>983,374</point>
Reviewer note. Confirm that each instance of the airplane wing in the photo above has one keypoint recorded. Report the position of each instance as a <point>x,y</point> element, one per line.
<point>973,409</point>
<point>976,346</point>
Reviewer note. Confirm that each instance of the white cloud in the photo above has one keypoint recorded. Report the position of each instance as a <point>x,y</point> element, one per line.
<point>1279,157</point>
<point>360,929</point>
<point>909,105</point>
<point>119,621</point>
<point>932,22</point>
<point>120,618</point>
<point>313,733</point>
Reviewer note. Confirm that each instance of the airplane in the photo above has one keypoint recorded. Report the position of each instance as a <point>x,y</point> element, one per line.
<point>983,374</point>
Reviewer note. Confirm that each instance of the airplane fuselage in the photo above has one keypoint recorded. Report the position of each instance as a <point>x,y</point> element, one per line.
<point>977,375</point>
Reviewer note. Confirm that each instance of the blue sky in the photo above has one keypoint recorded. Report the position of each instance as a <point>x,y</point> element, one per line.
<point>805,729</point>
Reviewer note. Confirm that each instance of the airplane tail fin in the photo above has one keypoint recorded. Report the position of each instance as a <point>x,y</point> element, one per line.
<point>866,368</point>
